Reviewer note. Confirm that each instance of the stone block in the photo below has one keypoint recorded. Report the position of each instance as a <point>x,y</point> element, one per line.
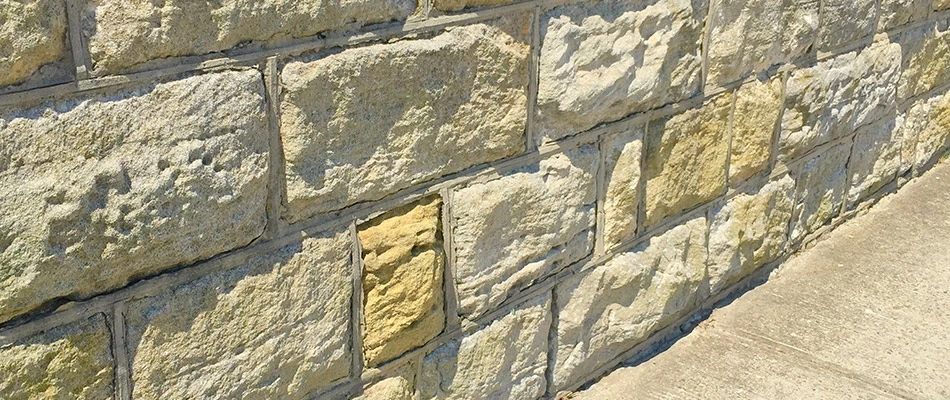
<point>819,190</point>
<point>32,35</point>
<point>894,13</point>
<point>456,5</point>
<point>927,126</point>
<point>756,116</point>
<point>366,122</point>
<point>875,160</point>
<point>101,189</point>
<point>926,59</point>
<point>622,201</point>
<point>843,22</point>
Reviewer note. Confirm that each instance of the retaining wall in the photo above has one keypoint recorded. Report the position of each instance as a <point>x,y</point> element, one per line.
<point>449,199</point>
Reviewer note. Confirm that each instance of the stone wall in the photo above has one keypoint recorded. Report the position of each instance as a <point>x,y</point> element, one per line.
<point>447,199</point>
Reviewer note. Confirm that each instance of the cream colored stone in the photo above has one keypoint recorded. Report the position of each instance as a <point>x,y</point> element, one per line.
<point>505,360</point>
<point>101,189</point>
<point>926,58</point>
<point>396,388</point>
<point>609,309</point>
<point>756,115</point>
<point>123,34</point>
<point>928,125</point>
<point>32,34</point>
<point>275,327</point>
<point>749,231</point>
<point>686,159</point>
<point>523,226</point>
<point>366,122</point>
<point>820,189</point>
<point>73,361</point>
<point>875,160</point>
<point>748,36</point>
<point>604,60</point>
<point>941,5</point>
<point>836,97</point>
<point>402,280</point>
<point>456,5</point>
<point>843,22</point>
<point>894,13</point>
<point>622,200</point>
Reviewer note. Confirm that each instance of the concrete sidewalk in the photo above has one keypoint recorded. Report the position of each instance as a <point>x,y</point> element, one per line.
<point>864,314</point>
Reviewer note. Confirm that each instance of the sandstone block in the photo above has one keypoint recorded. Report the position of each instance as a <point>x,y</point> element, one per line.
<point>820,190</point>
<point>504,360</point>
<point>622,200</point>
<point>844,22</point>
<point>275,327</point>
<point>757,109</point>
<point>395,388</point>
<point>402,280</point>
<point>748,36</point>
<point>927,125</point>
<point>926,58</point>
<point>941,5</point>
<point>97,190</point>
<point>609,309</point>
<point>366,122</point>
<point>456,5</point>
<point>606,60</point>
<point>834,98</point>
<point>749,231</point>
<point>875,160</point>
<point>32,34</point>
<point>894,13</point>
<point>522,226</point>
<point>686,159</point>
<point>122,34</point>
<point>73,361</point>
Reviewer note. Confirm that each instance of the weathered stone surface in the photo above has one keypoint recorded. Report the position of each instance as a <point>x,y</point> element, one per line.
<point>749,231</point>
<point>894,13</point>
<point>504,360</point>
<point>748,36</point>
<point>757,110</point>
<point>456,5</point>
<point>32,34</point>
<point>941,5</point>
<point>926,57</point>
<point>844,22</point>
<point>834,98</point>
<point>366,122</point>
<point>875,160</point>
<point>275,327</point>
<point>605,60</point>
<point>402,280</point>
<point>122,34</point>
<point>396,388</point>
<point>73,361</point>
<point>609,309</point>
<point>521,227</point>
<point>820,190</point>
<point>622,200</point>
<point>97,190</point>
<point>927,125</point>
<point>686,159</point>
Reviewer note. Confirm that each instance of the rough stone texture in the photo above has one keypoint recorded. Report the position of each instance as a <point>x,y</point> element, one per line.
<point>941,5</point>
<point>396,388</point>
<point>843,22</point>
<point>603,61</point>
<point>834,98</point>
<point>504,360</point>
<point>456,5</point>
<point>90,199</point>
<point>756,115</point>
<point>748,36</point>
<point>894,13</point>
<point>926,57</point>
<point>402,280</point>
<point>32,34</point>
<point>366,122</point>
<point>686,159</point>
<point>875,160</point>
<point>521,227</point>
<point>275,327</point>
<point>123,34</point>
<point>622,200</point>
<point>609,309</point>
<point>749,231</point>
<point>927,124</point>
<point>820,190</point>
<point>73,361</point>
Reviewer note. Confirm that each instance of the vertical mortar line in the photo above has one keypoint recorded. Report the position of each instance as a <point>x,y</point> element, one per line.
<point>120,352</point>
<point>847,174</point>
<point>600,185</point>
<point>452,319</point>
<point>531,136</point>
<point>730,138</point>
<point>356,306</point>
<point>276,154</point>
<point>777,133</point>
<point>81,58</point>
<point>704,49</point>
<point>642,184</point>
<point>551,388</point>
